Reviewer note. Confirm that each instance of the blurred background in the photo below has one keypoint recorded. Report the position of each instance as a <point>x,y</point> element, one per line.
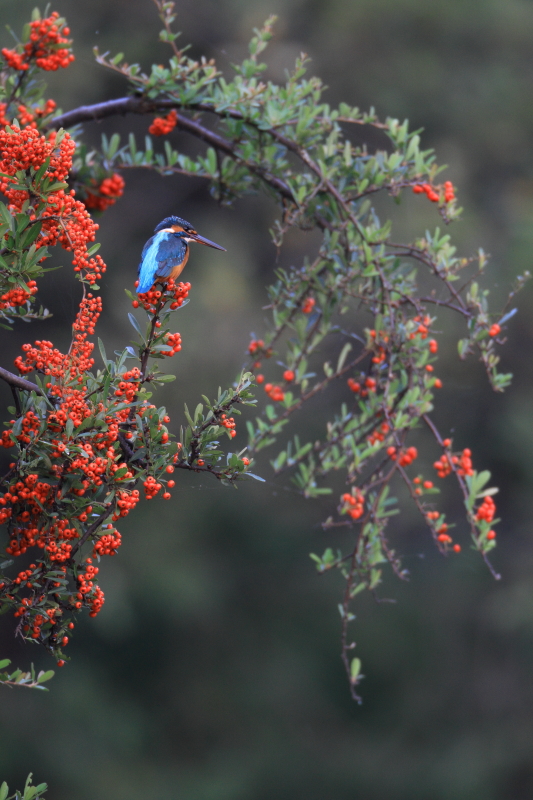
<point>213,671</point>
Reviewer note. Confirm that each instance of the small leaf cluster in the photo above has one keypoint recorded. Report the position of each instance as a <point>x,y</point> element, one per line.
<point>30,680</point>
<point>30,792</point>
<point>201,438</point>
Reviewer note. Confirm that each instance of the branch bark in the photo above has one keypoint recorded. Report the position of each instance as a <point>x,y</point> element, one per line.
<point>20,383</point>
<point>138,105</point>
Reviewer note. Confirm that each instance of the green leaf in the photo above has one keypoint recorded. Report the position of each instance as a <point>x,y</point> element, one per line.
<point>343,355</point>
<point>40,172</point>
<point>102,350</point>
<point>115,139</point>
<point>255,477</point>
<point>135,324</point>
<point>55,187</point>
<point>45,676</point>
<point>30,235</point>
<point>7,217</point>
<point>355,669</point>
<point>4,791</point>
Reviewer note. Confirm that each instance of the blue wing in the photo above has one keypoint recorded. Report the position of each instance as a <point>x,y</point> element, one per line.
<point>160,253</point>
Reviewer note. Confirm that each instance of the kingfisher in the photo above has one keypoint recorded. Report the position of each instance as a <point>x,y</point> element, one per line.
<point>165,254</point>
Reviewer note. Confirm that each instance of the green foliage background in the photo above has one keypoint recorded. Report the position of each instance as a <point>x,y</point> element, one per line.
<point>213,672</point>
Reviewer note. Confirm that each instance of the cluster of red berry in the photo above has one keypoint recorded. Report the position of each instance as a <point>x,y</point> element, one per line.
<point>126,502</point>
<point>161,126</point>
<point>436,193</point>
<point>18,296</point>
<point>65,220</point>
<point>370,385</point>
<point>172,293</point>
<point>45,358</point>
<point>28,117</point>
<point>106,194</point>
<point>174,341</point>
<point>21,149</point>
<point>422,329</point>
<point>353,504</point>
<point>403,457</point>
<point>128,388</point>
<point>151,487</point>
<point>421,485</point>
<point>108,543</point>
<point>487,509</point>
<point>47,46</point>
<point>74,230</point>
<point>380,351</point>
<point>462,462</point>
<point>441,530</point>
<point>275,392</point>
<point>256,346</point>
<point>28,504</point>
<point>379,434</point>
<point>229,424</point>
<point>423,324</point>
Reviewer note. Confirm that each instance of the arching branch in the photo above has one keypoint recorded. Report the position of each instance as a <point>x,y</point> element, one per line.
<point>137,105</point>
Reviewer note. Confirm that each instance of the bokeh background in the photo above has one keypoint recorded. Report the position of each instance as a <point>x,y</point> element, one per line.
<point>213,671</point>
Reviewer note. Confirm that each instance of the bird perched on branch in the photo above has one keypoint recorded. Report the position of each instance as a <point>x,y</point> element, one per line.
<point>164,255</point>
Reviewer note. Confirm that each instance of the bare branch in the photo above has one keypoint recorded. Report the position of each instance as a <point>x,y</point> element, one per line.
<point>20,383</point>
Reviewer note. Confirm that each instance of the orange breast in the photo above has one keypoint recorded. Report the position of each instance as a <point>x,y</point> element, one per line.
<point>175,271</point>
<point>178,269</point>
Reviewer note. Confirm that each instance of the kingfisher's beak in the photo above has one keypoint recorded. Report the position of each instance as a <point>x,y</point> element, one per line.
<point>195,237</point>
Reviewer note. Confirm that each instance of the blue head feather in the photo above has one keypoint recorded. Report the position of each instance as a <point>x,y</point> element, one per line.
<point>168,222</point>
